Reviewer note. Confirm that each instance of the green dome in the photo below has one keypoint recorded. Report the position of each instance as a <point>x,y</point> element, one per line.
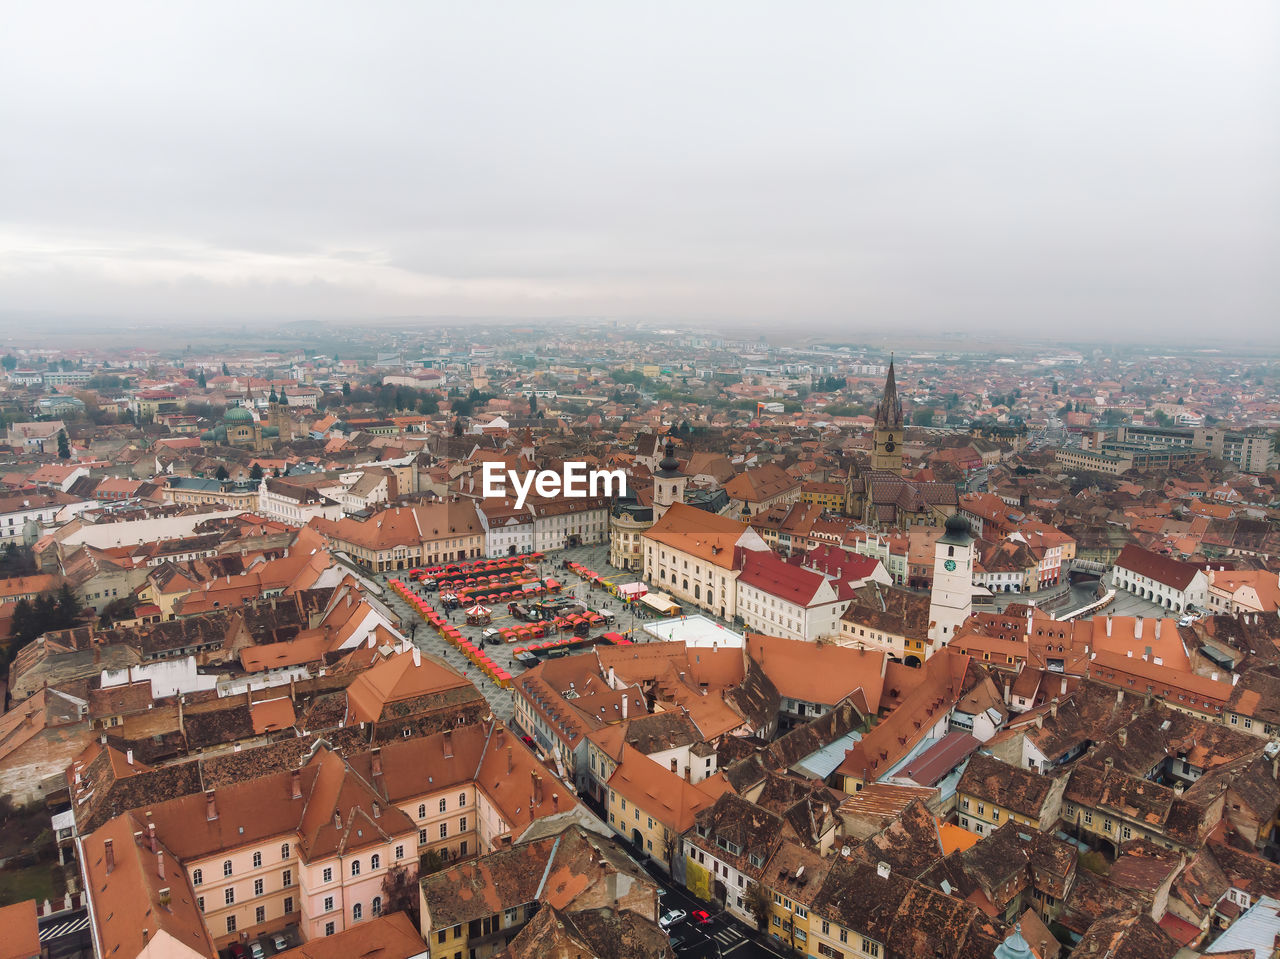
<point>237,414</point>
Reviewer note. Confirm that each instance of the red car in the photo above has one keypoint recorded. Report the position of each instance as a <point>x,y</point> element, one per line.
<point>528,741</point>
<point>700,916</point>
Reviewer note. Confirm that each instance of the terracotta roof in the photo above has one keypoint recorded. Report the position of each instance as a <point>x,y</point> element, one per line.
<point>19,931</point>
<point>126,880</point>
<point>400,677</point>
<point>707,536</point>
<point>822,674</point>
<point>942,682</point>
<point>662,794</point>
<point>1163,569</point>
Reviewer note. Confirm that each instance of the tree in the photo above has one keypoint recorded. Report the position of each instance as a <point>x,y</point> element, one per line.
<point>346,390</point>
<point>225,371</point>
<point>68,605</point>
<point>400,891</point>
<point>255,474</point>
<point>9,362</point>
<point>922,417</point>
<point>201,381</point>
<point>533,404</point>
<point>64,446</point>
<point>758,905</point>
<point>221,473</point>
<point>457,427</point>
<point>116,610</point>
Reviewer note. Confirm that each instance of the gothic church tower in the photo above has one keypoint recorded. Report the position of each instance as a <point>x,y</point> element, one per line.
<point>886,448</point>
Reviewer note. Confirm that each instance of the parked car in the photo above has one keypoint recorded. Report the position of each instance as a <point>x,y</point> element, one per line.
<point>671,917</point>
<point>280,942</point>
<point>430,585</point>
<point>256,951</point>
<point>528,741</point>
<point>238,951</point>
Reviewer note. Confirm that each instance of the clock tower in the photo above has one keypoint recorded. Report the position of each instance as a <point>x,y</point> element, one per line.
<point>886,446</point>
<point>951,599</point>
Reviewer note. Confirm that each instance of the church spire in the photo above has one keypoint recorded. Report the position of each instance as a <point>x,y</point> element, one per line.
<point>889,411</point>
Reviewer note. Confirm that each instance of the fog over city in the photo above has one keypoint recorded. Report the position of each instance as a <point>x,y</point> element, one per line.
<point>1103,168</point>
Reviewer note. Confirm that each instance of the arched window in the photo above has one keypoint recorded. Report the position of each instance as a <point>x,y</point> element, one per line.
<point>197,877</point>
<point>375,861</point>
<point>355,867</point>
<point>422,810</point>
<point>375,907</point>
<point>357,912</point>
<point>226,867</point>
<point>462,799</point>
<point>257,860</point>
<point>284,851</point>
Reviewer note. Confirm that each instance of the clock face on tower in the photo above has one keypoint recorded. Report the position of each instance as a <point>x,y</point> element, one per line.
<point>949,566</point>
<point>890,446</point>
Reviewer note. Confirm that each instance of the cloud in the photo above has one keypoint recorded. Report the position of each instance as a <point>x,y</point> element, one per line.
<point>994,165</point>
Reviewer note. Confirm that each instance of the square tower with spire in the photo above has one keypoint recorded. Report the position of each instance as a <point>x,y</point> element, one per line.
<point>886,448</point>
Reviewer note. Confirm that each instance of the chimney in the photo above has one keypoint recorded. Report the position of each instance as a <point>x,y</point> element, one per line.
<point>211,809</point>
<point>510,761</point>
<point>128,756</point>
<point>1123,737</point>
<point>159,864</point>
<point>417,656</point>
<point>296,788</point>
<point>151,837</point>
<point>1158,622</point>
<point>377,811</point>
<point>882,869</point>
<point>1108,624</point>
<point>533,788</point>
<point>555,801</point>
<point>377,761</point>
<point>1053,709</point>
<point>611,686</point>
<point>1137,627</point>
<point>1062,688</point>
<point>625,698</point>
<point>109,854</point>
<point>538,788</point>
<point>337,820</point>
<point>686,774</point>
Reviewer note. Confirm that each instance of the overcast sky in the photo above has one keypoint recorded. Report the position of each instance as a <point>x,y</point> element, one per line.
<point>1019,165</point>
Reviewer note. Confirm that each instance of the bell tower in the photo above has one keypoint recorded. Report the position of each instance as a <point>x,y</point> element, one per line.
<point>668,482</point>
<point>951,598</point>
<point>886,448</point>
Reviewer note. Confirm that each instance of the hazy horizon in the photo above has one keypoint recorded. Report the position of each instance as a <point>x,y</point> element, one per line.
<point>992,166</point>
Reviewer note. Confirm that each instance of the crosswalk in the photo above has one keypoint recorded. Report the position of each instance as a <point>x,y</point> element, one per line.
<point>728,936</point>
<point>60,929</point>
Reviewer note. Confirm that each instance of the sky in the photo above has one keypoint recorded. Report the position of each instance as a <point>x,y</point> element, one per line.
<point>985,166</point>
